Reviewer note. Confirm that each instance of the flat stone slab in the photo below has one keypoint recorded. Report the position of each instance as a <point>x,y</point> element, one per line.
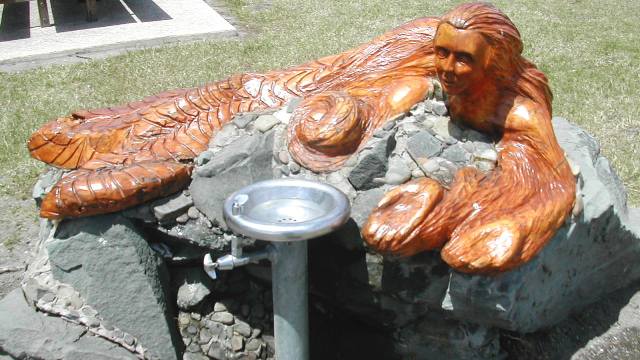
<point>25,333</point>
<point>138,24</point>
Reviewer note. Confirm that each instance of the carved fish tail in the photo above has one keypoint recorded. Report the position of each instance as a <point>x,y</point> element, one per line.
<point>87,192</point>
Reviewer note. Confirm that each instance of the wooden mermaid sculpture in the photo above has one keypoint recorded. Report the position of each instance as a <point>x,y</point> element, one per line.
<point>485,223</point>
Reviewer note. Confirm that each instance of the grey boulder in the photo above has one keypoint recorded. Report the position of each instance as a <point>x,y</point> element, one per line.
<point>107,260</point>
<point>27,334</point>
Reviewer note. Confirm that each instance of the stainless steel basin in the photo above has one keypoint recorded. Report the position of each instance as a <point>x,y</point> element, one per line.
<point>286,210</point>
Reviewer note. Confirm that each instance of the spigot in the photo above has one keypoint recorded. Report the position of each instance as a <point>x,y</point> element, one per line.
<point>232,261</point>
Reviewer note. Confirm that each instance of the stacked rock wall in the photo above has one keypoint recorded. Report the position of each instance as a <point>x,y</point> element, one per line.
<point>136,278</point>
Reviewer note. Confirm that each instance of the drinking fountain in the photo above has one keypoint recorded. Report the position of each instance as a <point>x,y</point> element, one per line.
<point>285,212</point>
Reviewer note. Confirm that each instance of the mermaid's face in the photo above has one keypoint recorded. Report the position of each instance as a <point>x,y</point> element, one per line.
<point>461,59</point>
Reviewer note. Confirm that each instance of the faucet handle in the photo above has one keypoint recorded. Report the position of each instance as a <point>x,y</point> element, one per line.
<point>210,266</point>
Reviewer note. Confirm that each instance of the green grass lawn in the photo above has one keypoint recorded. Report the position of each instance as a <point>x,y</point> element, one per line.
<point>589,49</point>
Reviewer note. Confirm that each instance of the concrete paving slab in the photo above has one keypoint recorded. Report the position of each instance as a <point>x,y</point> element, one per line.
<point>121,25</point>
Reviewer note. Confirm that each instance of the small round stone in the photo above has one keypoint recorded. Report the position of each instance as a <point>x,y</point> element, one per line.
<point>488,154</point>
<point>186,341</point>
<point>182,219</point>
<point>439,108</point>
<point>48,298</point>
<point>196,316</point>
<point>184,319</point>
<point>431,166</point>
<point>294,167</point>
<point>237,343</point>
<point>283,156</point>
<point>242,328</point>
<point>253,345</point>
<point>88,311</point>
<point>193,213</point>
<point>284,169</point>
<point>218,307</point>
<point>255,333</point>
<point>193,347</point>
<point>92,322</point>
<point>416,173</point>
<point>128,339</point>
<point>265,122</point>
<point>192,330</point>
<point>223,317</point>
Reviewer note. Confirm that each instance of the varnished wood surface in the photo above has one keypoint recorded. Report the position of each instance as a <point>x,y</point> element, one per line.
<point>485,223</point>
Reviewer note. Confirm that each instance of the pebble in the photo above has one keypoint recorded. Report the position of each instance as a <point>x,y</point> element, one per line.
<point>192,330</point>
<point>47,298</point>
<point>88,311</point>
<point>431,166</point>
<point>456,153</point>
<point>172,208</point>
<point>216,353</point>
<point>242,328</point>
<point>446,128</point>
<point>256,333</point>
<point>283,156</point>
<point>254,345</point>
<point>223,317</point>
<point>488,154</point>
<point>284,169</point>
<point>439,108</point>
<point>193,356</point>
<point>485,165</point>
<point>429,121</point>
<point>193,213</point>
<point>294,167</point>
<point>190,295</point>
<point>92,322</point>
<point>196,316</point>
<point>128,339</point>
<point>205,336</point>
<point>218,307</point>
<point>417,173</point>
<point>182,219</point>
<point>186,341</point>
<point>184,319</point>
<point>398,172</point>
<point>468,146</point>
<point>265,122</point>
<point>410,128</point>
<point>423,145</point>
<point>193,347</point>
<point>237,343</point>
